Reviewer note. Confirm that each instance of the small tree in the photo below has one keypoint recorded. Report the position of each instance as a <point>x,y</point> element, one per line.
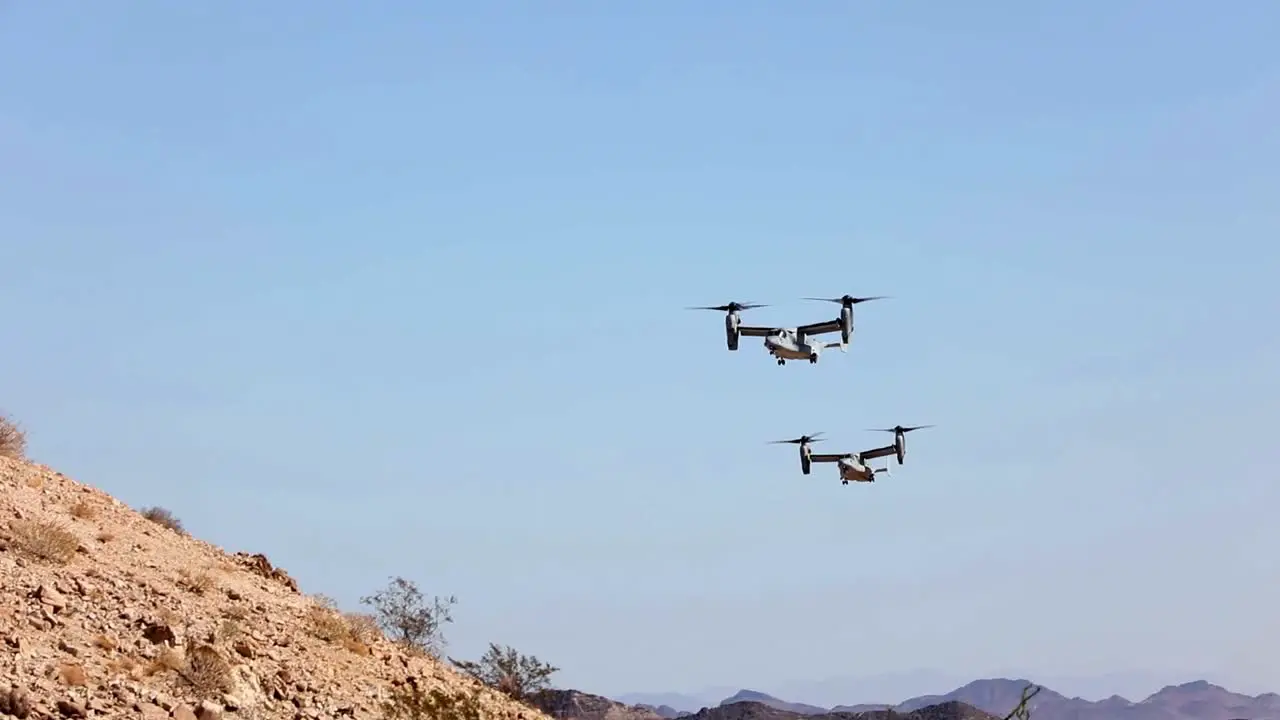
<point>1022,711</point>
<point>13,441</point>
<point>507,671</point>
<point>402,612</point>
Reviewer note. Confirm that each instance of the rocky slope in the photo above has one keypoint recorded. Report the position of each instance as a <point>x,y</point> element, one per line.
<point>576,705</point>
<point>106,614</point>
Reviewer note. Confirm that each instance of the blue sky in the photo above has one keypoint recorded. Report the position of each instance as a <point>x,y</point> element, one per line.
<point>397,288</point>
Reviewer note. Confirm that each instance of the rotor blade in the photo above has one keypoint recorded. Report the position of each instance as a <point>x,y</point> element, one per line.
<point>728,307</point>
<point>816,437</point>
<point>849,299</point>
<point>899,428</point>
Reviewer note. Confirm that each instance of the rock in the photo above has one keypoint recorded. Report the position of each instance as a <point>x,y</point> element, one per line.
<point>15,702</point>
<point>151,711</point>
<point>71,709</point>
<point>182,712</point>
<point>208,710</point>
<point>48,596</point>
<point>157,633</point>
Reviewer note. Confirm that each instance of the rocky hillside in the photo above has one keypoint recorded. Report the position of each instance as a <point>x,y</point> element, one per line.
<point>576,705</point>
<point>107,614</point>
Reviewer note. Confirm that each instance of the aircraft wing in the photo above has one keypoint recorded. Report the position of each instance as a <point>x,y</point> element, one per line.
<point>880,452</point>
<point>754,331</point>
<point>828,457</point>
<point>829,326</point>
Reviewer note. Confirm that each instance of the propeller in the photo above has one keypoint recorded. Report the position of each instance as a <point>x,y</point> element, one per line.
<point>899,429</point>
<point>800,440</point>
<point>849,300</point>
<point>729,307</point>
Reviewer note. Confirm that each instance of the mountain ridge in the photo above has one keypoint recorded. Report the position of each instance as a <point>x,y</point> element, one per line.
<point>577,705</point>
<point>1191,700</point>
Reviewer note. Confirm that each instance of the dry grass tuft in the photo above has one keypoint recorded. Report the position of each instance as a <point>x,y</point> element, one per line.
<point>169,660</point>
<point>105,642</point>
<point>198,583</point>
<point>164,518</point>
<point>207,671</point>
<point>327,624</point>
<point>35,482</point>
<point>72,675</point>
<point>410,701</point>
<point>354,631</point>
<point>13,441</point>
<point>45,541</point>
<point>84,511</point>
<point>364,627</point>
<point>228,630</point>
<point>124,665</point>
<point>168,616</point>
<point>237,612</point>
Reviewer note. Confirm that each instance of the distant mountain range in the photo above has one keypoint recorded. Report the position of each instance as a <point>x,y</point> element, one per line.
<point>574,705</point>
<point>1198,700</point>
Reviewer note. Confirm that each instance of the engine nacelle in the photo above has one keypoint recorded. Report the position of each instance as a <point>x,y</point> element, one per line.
<point>900,446</point>
<point>846,324</point>
<point>805,463</point>
<point>731,322</point>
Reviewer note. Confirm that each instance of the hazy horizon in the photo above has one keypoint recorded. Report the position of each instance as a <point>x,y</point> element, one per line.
<point>398,288</point>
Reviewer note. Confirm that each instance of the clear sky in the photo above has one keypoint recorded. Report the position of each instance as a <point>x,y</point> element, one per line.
<point>398,287</point>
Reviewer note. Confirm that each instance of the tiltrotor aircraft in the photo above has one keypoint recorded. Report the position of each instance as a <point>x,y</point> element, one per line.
<point>794,343</point>
<point>853,467</point>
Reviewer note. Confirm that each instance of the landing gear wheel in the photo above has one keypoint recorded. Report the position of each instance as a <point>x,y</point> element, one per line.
<point>781,361</point>
<point>813,359</point>
<point>844,482</point>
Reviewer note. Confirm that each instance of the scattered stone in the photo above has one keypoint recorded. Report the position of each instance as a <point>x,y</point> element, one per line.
<point>15,702</point>
<point>70,709</point>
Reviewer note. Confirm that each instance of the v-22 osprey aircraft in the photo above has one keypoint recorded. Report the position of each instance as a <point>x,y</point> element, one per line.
<point>853,466</point>
<point>794,343</point>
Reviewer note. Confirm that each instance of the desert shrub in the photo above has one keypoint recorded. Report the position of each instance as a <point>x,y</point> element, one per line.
<point>363,627</point>
<point>504,669</point>
<point>410,702</point>
<point>196,582</point>
<point>83,511</point>
<point>354,631</point>
<point>164,518</point>
<point>13,441</point>
<point>44,541</point>
<point>326,620</point>
<point>206,670</point>
<point>404,614</point>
